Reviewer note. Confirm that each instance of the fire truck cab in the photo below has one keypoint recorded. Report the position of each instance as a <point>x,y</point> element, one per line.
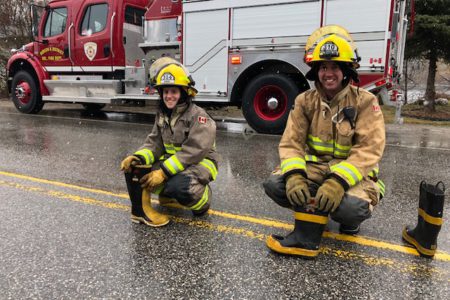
<point>245,53</point>
<point>83,51</point>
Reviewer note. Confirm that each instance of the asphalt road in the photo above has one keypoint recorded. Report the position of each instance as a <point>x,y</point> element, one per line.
<point>66,230</point>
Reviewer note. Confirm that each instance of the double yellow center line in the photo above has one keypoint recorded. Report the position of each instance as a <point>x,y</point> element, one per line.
<point>361,240</point>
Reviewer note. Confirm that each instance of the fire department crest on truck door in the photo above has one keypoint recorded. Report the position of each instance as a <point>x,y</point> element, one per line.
<point>90,49</point>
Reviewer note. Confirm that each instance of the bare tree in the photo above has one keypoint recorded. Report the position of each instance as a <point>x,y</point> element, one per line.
<point>15,21</point>
<point>15,25</point>
<point>414,69</point>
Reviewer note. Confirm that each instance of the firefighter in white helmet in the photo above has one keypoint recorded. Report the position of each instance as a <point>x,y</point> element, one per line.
<point>181,147</point>
<point>330,149</point>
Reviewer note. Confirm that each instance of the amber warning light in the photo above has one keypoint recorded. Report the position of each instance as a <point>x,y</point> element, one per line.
<point>308,58</point>
<point>236,59</point>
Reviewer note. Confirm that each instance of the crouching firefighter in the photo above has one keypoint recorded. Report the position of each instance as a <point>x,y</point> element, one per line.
<point>180,151</point>
<point>330,149</point>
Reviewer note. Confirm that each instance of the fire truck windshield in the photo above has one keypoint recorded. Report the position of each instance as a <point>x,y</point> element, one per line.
<point>37,11</point>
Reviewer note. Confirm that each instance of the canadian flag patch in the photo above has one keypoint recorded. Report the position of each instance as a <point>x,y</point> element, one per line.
<point>202,120</point>
<point>376,107</point>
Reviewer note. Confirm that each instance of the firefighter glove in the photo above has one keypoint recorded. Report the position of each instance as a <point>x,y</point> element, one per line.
<point>153,179</point>
<point>128,162</point>
<point>329,195</point>
<point>297,190</point>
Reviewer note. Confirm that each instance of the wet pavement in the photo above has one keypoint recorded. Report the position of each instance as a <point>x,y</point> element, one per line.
<point>66,233</point>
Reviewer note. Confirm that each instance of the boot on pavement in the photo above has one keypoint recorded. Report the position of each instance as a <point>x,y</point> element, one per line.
<point>141,208</point>
<point>431,205</point>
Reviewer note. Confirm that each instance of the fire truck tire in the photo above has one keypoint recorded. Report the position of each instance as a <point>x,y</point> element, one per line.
<point>93,107</point>
<point>267,101</point>
<point>25,93</point>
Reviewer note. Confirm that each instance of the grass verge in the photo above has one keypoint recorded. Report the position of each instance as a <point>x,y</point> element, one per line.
<point>416,110</point>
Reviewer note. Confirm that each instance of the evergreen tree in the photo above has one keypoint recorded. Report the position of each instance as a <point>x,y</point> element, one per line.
<point>430,39</point>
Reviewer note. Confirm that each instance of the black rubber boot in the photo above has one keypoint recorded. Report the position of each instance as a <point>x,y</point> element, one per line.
<point>304,241</point>
<point>349,229</point>
<point>431,205</point>
<point>141,209</point>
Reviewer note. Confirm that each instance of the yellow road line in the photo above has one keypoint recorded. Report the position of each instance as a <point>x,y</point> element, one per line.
<point>361,240</point>
<point>62,184</point>
<point>358,239</point>
<point>413,269</point>
<point>249,219</point>
<point>66,196</point>
<point>371,242</point>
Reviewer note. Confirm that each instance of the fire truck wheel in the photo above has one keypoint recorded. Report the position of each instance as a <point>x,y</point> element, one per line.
<point>25,93</point>
<point>267,101</point>
<point>93,107</point>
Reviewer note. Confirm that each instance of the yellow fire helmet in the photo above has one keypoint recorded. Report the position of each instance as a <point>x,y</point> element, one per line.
<point>167,71</point>
<point>332,43</point>
<point>158,64</point>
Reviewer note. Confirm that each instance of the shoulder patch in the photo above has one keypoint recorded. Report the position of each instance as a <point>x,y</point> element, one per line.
<point>202,120</point>
<point>376,107</point>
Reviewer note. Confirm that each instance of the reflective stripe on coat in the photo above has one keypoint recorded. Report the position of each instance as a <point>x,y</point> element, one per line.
<point>185,138</point>
<point>318,131</point>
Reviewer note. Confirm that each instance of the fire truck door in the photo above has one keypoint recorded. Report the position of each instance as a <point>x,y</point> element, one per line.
<point>132,35</point>
<point>92,46</point>
<point>53,51</point>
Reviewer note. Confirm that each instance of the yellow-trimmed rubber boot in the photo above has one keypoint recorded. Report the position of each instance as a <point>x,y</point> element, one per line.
<point>304,241</point>
<point>141,208</point>
<point>168,202</point>
<point>431,205</point>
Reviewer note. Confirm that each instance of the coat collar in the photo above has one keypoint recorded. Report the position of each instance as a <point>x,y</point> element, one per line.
<point>337,98</point>
<point>177,113</point>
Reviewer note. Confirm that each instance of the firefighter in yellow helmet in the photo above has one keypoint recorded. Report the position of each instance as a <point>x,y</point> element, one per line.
<point>330,149</point>
<point>180,150</point>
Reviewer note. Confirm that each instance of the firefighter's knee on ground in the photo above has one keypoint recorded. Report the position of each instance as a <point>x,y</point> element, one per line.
<point>352,211</point>
<point>180,188</point>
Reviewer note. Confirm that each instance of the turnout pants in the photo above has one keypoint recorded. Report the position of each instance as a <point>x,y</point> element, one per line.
<point>356,205</point>
<point>189,188</point>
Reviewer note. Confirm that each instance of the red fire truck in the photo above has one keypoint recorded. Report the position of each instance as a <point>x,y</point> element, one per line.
<point>245,53</point>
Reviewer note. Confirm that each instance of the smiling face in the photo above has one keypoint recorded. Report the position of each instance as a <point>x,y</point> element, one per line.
<point>171,96</point>
<point>330,76</point>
